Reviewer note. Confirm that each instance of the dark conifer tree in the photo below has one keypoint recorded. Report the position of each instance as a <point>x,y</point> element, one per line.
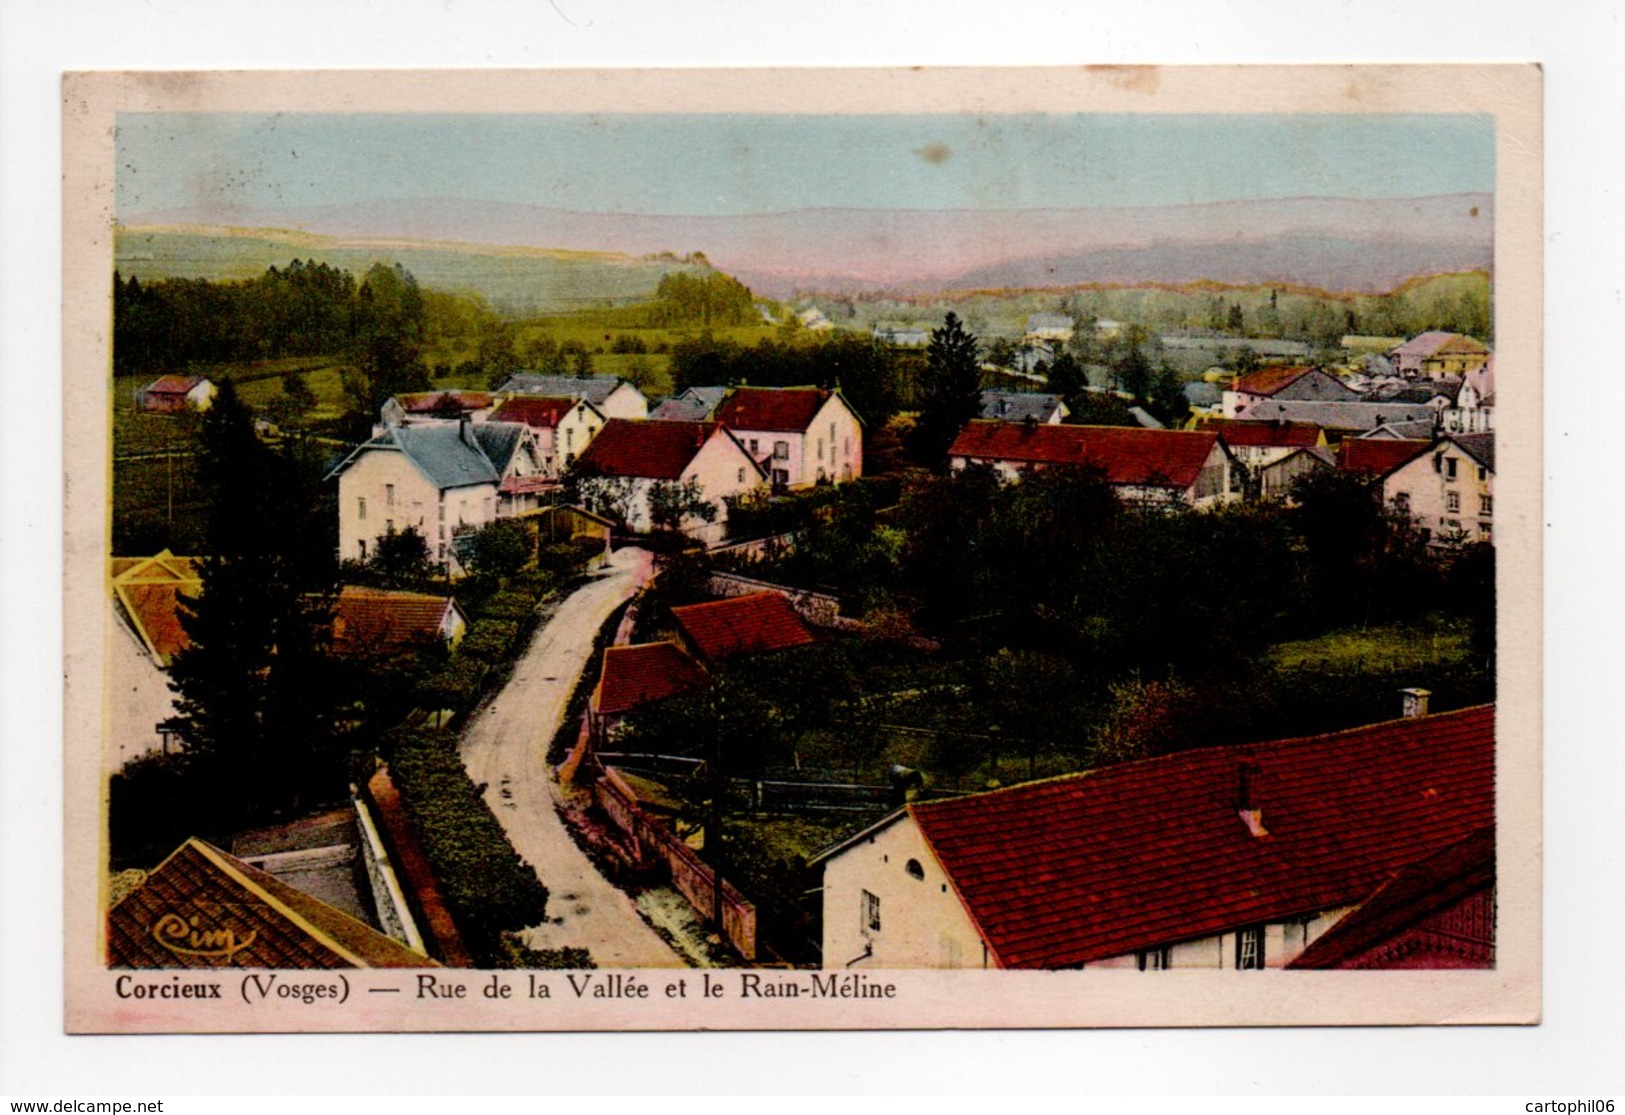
<point>951,391</point>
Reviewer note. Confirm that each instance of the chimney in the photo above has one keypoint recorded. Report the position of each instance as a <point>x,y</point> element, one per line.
<point>1414,702</point>
<point>1247,809</point>
<point>464,434</point>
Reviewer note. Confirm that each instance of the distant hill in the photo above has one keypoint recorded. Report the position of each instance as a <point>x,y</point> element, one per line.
<point>1330,243</point>
<point>518,281</point>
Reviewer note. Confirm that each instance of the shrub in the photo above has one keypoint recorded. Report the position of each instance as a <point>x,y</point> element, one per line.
<point>488,888</point>
<point>510,603</point>
<point>456,685</point>
<point>489,639</point>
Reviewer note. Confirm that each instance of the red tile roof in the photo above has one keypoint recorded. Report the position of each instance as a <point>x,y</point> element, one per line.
<point>659,450</point>
<point>384,621</point>
<point>633,676</point>
<point>172,385</point>
<point>761,621</point>
<point>1377,456</point>
<point>536,411</point>
<point>1416,894</point>
<point>779,409</point>
<point>1267,381</point>
<point>1266,433</point>
<point>1158,458</point>
<point>202,908</point>
<point>1059,873</point>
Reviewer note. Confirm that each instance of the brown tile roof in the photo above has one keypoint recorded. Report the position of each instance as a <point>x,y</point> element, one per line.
<point>633,676</point>
<point>1377,456</point>
<point>1157,458</point>
<point>1059,873</point>
<point>202,908</point>
<point>1267,381</point>
<point>148,591</point>
<point>386,621</point>
<point>752,624</point>
<point>1265,433</point>
<point>432,402</point>
<point>536,411</point>
<point>1415,893</point>
<point>652,448</point>
<point>778,409</point>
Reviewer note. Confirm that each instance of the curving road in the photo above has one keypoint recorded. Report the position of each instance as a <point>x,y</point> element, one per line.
<point>505,747</point>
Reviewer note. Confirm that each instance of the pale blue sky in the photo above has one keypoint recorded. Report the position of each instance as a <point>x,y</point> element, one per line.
<point>735,164</point>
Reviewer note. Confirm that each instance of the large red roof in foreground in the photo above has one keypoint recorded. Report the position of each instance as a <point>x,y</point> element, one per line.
<point>1156,458</point>
<point>778,409</point>
<point>643,674</point>
<point>1059,873</point>
<point>653,448</point>
<point>761,621</point>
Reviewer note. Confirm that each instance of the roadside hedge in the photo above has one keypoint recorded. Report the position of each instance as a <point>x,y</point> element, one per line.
<point>489,640</point>
<point>488,887</point>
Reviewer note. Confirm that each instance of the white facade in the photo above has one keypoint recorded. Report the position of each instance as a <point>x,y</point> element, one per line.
<point>720,467</point>
<point>383,490</point>
<point>1446,492</point>
<point>878,913</point>
<point>625,401</point>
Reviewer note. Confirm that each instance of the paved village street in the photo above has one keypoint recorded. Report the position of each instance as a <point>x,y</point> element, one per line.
<point>505,747</point>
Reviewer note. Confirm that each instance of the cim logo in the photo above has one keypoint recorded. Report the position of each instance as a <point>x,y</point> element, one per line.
<point>183,937</point>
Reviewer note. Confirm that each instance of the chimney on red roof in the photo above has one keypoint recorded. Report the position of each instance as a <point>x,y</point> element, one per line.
<point>1414,702</point>
<point>1247,809</point>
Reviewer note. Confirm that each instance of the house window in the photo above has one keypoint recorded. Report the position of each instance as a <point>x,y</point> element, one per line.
<point>1402,502</point>
<point>389,526</point>
<point>389,495</point>
<point>781,450</point>
<point>361,509</point>
<point>1250,948</point>
<point>1450,468</point>
<point>753,447</point>
<point>871,913</point>
<point>1483,472</point>
<point>363,544</point>
<point>1153,960</point>
<point>1484,532</point>
<point>1452,501</point>
<point>781,476</point>
<point>1484,503</point>
<point>915,871</point>
<point>741,476</point>
<point>820,449</point>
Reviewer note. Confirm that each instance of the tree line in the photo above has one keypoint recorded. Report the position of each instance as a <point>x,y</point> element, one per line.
<point>873,378</point>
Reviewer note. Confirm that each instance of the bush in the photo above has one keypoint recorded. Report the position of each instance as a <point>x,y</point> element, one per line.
<point>510,603</point>
<point>489,639</point>
<point>569,558</point>
<point>456,685</point>
<point>488,888</point>
<point>517,954</point>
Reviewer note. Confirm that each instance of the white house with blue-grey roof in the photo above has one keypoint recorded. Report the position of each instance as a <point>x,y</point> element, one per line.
<point>446,481</point>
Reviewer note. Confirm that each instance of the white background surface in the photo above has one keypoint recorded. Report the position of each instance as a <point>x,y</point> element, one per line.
<point>1576,1052</point>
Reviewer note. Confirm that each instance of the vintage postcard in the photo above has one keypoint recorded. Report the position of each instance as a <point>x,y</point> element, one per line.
<point>637,550</point>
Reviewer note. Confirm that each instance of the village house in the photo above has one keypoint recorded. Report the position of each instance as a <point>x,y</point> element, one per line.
<point>378,622</point>
<point>1285,383</point>
<point>755,623</point>
<point>444,481</point>
<point>1236,857</point>
<point>629,458</point>
<point>563,427</point>
<point>801,435</point>
<point>147,598</point>
<point>1019,406</point>
<point>696,404</point>
<point>1142,466</point>
<point>1436,354</point>
<point>1049,327</point>
<point>1473,409</point>
<point>1275,479</point>
<point>902,337</point>
<point>1447,488</point>
<point>172,394</point>
<point>613,397</point>
<point>1258,443</point>
<point>203,908</point>
<point>635,676</point>
<point>416,408</point>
